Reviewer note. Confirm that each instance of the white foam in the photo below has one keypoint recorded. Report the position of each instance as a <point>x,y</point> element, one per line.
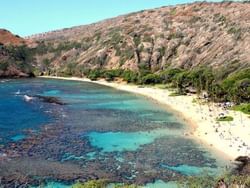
<point>27,98</point>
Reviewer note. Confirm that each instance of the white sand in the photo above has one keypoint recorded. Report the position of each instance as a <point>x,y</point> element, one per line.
<point>230,138</point>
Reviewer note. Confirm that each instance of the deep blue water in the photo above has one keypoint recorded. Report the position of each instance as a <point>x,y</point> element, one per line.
<point>17,115</point>
<point>121,135</point>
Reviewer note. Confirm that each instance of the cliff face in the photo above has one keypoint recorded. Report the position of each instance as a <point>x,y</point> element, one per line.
<point>185,36</point>
<point>15,57</point>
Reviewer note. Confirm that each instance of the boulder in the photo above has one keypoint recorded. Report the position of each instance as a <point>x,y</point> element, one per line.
<point>49,99</point>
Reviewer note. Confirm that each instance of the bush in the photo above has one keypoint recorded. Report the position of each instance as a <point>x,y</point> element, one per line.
<point>94,74</point>
<point>151,79</point>
<point>175,94</point>
<point>130,76</point>
<point>236,32</point>
<point>225,118</point>
<point>181,81</point>
<point>168,75</point>
<point>245,108</point>
<point>231,79</point>
<point>237,86</point>
<point>109,75</point>
<point>91,184</point>
<point>210,181</point>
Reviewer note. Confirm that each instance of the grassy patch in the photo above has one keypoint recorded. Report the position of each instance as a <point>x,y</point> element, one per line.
<point>245,108</point>
<point>161,86</point>
<point>225,118</point>
<point>101,184</point>
<point>214,181</point>
<point>91,184</point>
<point>174,94</point>
<point>194,101</point>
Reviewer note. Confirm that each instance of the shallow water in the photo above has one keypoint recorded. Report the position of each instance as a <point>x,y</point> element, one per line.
<point>122,141</point>
<point>100,133</point>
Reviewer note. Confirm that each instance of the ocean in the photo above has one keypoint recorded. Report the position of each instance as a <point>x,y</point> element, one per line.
<point>99,133</point>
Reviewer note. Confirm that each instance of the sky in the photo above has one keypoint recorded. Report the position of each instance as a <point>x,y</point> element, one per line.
<point>27,17</point>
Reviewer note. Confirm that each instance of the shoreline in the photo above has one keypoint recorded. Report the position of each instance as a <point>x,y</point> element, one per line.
<point>230,139</point>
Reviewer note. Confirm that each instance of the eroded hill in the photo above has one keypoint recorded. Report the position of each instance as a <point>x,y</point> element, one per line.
<point>184,36</point>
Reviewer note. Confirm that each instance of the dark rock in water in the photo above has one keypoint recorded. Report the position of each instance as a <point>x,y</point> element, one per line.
<point>31,75</point>
<point>49,99</point>
<point>244,166</point>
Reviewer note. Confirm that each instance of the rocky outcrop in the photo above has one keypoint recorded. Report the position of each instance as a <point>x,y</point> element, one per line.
<point>244,165</point>
<point>49,99</point>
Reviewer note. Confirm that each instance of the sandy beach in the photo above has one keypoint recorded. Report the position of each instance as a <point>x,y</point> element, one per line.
<point>229,138</point>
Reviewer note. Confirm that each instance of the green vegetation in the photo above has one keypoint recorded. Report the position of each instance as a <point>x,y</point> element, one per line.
<point>130,76</point>
<point>175,94</point>
<point>127,54</point>
<point>137,39</point>
<point>222,85</point>
<point>167,76</point>
<point>235,31</point>
<point>126,186</point>
<point>219,18</point>
<point>213,181</point>
<point>151,79</point>
<point>202,181</point>
<point>194,19</point>
<point>19,58</point>
<point>100,184</point>
<point>245,108</point>
<point>172,11</point>
<point>175,35</point>
<point>44,48</point>
<point>235,87</point>
<point>91,184</point>
<point>225,118</point>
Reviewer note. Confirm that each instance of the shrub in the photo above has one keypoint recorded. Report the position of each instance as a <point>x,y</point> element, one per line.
<point>162,51</point>
<point>94,74</point>
<point>225,118</point>
<point>168,75</point>
<point>172,11</point>
<point>137,39</point>
<point>109,75</point>
<point>91,184</point>
<point>208,181</point>
<point>130,76</point>
<point>245,108</point>
<point>235,31</point>
<point>151,79</point>
<point>237,86</point>
<point>174,94</point>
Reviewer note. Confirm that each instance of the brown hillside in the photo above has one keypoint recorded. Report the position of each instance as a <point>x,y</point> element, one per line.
<point>7,38</point>
<point>187,36</point>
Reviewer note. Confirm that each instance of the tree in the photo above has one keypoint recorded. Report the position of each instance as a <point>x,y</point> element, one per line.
<point>151,79</point>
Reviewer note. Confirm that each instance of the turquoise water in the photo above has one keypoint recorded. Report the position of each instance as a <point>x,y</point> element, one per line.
<point>190,170</point>
<point>100,133</point>
<point>53,185</point>
<point>18,137</point>
<point>156,184</point>
<point>161,184</point>
<point>121,141</point>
